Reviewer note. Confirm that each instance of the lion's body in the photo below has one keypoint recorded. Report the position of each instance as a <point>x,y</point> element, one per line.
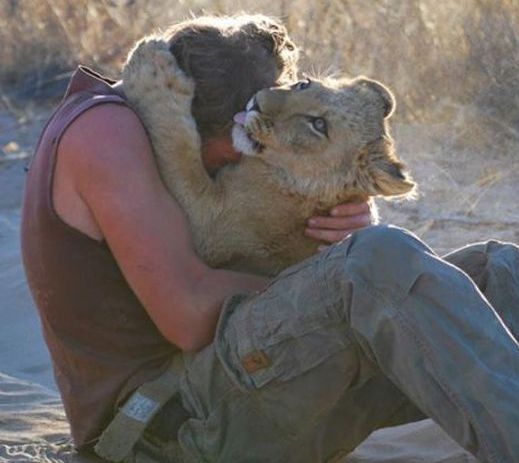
<point>251,217</point>
<point>260,221</point>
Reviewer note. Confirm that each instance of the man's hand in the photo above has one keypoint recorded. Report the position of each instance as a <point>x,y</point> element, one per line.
<point>343,220</point>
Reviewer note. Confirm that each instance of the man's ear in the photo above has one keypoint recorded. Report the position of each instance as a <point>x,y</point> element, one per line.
<point>381,92</point>
<point>391,178</point>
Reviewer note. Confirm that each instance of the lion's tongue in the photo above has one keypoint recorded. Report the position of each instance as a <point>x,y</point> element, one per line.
<point>240,117</point>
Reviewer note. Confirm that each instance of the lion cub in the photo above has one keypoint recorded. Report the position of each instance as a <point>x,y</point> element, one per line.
<point>307,147</point>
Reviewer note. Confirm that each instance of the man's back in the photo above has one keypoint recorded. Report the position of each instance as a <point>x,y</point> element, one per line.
<point>101,339</point>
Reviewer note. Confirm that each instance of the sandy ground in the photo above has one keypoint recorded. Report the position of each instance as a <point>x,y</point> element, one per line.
<point>32,424</point>
<point>22,354</point>
<point>465,196</point>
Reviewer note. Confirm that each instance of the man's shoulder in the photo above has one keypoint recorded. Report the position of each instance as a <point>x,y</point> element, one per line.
<point>105,158</point>
<point>106,124</point>
<point>105,135</point>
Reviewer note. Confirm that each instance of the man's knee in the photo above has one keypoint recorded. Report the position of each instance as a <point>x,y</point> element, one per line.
<point>385,258</point>
<point>387,245</point>
<point>500,250</point>
<point>502,261</point>
<point>479,260</point>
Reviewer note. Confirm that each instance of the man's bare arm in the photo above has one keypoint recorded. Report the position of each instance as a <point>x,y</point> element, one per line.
<point>109,156</point>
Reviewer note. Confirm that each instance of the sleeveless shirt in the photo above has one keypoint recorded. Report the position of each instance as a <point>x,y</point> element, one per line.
<point>101,340</point>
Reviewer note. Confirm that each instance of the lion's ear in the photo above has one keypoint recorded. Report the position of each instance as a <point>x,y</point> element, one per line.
<point>378,171</point>
<point>391,178</point>
<point>381,92</point>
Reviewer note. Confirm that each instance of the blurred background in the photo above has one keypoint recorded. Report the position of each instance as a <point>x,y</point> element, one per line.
<point>438,56</point>
<point>453,66</point>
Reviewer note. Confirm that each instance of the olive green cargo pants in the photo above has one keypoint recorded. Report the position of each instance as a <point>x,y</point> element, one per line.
<point>374,331</point>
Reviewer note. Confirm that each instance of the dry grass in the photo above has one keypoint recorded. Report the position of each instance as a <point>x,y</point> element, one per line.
<point>437,56</point>
<point>454,62</point>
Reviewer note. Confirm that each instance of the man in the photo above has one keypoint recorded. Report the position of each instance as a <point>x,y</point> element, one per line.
<point>301,372</point>
<point>94,193</point>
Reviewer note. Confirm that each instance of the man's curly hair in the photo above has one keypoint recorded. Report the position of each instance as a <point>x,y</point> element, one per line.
<point>230,58</point>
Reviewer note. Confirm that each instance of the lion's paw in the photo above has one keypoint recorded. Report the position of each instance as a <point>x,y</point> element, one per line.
<point>152,67</point>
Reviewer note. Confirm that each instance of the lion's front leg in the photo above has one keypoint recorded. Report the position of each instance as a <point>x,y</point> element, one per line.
<point>162,94</point>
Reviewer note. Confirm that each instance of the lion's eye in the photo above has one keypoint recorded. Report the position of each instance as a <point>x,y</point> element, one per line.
<point>319,124</point>
<point>302,84</point>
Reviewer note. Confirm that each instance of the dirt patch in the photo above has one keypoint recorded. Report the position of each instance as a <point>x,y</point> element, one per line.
<point>465,195</point>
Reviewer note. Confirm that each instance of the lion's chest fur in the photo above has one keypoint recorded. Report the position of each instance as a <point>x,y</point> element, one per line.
<point>266,219</point>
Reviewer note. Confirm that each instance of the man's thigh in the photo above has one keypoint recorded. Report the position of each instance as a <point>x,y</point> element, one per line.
<point>285,380</point>
<point>320,414</point>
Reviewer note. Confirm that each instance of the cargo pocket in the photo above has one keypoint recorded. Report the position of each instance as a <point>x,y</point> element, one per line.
<point>278,335</point>
<point>296,355</point>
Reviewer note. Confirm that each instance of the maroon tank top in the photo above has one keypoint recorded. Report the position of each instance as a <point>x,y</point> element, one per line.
<point>101,340</point>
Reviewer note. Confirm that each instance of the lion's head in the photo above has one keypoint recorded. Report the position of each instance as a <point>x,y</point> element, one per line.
<point>326,134</point>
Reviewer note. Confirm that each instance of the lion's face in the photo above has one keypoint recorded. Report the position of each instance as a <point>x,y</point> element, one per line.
<point>328,130</point>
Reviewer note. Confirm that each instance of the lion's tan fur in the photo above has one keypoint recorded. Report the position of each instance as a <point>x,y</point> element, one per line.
<point>251,217</point>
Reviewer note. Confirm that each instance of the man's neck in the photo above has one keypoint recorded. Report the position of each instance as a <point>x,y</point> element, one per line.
<point>217,152</point>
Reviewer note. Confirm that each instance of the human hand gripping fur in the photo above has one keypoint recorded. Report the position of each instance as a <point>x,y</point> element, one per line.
<point>307,147</point>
